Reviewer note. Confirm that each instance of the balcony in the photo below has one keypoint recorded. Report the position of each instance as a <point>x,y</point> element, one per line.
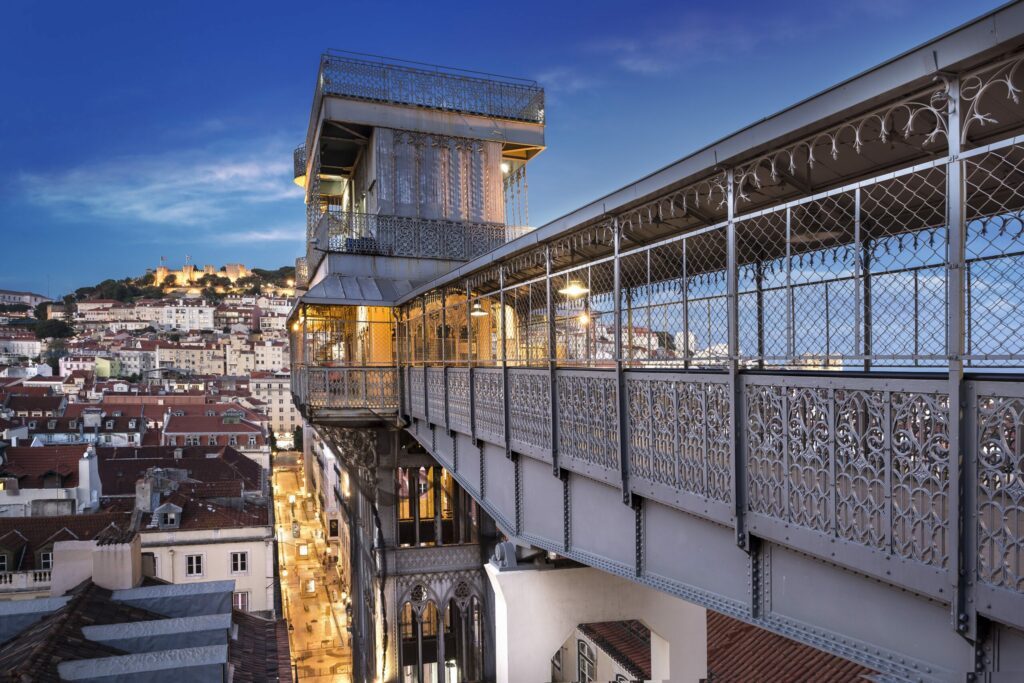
<point>301,273</point>
<point>431,87</point>
<point>299,160</point>
<point>346,388</point>
<point>33,580</point>
<point>346,232</point>
<point>343,360</point>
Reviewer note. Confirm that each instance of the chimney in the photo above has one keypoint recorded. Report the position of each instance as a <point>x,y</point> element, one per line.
<point>146,498</point>
<point>89,480</point>
<point>117,561</point>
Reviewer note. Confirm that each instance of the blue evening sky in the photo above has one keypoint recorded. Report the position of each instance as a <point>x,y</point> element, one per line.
<point>135,130</point>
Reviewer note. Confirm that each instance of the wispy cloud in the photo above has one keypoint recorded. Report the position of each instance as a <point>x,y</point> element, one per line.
<point>691,36</point>
<point>195,187</point>
<point>563,79</point>
<point>294,234</point>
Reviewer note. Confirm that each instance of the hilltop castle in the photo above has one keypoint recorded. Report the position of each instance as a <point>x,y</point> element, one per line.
<point>189,273</point>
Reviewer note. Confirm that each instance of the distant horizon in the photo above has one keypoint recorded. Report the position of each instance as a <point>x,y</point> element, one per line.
<point>183,120</point>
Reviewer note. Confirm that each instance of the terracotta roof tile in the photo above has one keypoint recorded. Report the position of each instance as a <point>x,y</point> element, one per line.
<point>741,653</point>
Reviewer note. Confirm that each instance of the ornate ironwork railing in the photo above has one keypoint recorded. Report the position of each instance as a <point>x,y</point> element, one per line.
<point>357,388</point>
<point>299,160</point>
<point>383,235</point>
<point>301,272</point>
<point>433,87</point>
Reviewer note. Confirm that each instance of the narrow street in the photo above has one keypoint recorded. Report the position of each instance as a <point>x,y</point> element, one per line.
<point>311,593</point>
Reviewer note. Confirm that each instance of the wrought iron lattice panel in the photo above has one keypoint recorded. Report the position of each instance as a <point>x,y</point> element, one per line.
<point>920,476</point>
<point>994,184</point>
<point>435,395</point>
<point>763,291</point>
<point>489,405</point>
<point>1000,453</point>
<point>436,88</point>
<point>904,238</point>
<point>862,460</point>
<point>348,232</point>
<point>588,418</point>
<point>822,265</point>
<point>527,343</point>
<point>355,388</point>
<point>458,399</point>
<point>679,434</point>
<point>529,395</point>
<point>832,455</point>
<point>416,397</point>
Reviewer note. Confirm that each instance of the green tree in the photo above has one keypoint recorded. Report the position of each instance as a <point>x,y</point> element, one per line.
<point>53,329</point>
<point>297,438</point>
<point>56,350</point>
<point>40,311</point>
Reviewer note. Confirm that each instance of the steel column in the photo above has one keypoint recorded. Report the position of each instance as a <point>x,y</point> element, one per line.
<point>961,555</point>
<point>469,362</point>
<point>620,379</point>
<point>503,330</point>
<point>735,390</point>
<point>552,359</point>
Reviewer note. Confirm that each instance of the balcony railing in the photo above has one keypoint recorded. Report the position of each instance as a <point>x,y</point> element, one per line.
<point>301,273</point>
<point>37,579</point>
<point>433,87</point>
<point>423,85</point>
<point>347,232</point>
<point>299,160</point>
<point>356,388</point>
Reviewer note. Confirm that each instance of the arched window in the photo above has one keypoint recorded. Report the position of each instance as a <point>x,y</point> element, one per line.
<point>586,662</point>
<point>419,647</point>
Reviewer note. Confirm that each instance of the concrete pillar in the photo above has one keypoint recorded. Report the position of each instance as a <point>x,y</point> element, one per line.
<point>537,609</point>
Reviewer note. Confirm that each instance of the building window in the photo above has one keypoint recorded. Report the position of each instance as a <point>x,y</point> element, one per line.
<point>3,562</point>
<point>252,439</point>
<point>233,440</point>
<point>211,441</point>
<point>240,563</point>
<point>193,565</point>
<point>240,601</point>
<point>585,662</point>
<point>169,519</point>
<point>46,560</point>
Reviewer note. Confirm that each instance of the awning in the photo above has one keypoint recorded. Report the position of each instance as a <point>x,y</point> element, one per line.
<point>356,291</point>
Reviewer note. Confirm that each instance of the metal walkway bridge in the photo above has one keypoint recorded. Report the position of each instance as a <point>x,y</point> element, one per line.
<point>778,378</point>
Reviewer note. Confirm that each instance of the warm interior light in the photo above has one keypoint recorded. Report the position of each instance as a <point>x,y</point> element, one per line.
<point>477,310</point>
<point>584,318</point>
<point>574,289</point>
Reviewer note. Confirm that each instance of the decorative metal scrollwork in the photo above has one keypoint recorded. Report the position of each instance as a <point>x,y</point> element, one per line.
<point>679,435</point>
<point>435,394</point>
<point>920,477</point>
<point>588,419</point>
<point>1001,492</point>
<point>489,404</point>
<point>458,399</point>
<point>529,394</point>
<point>416,379</point>
<point>861,453</point>
<point>991,79</point>
<point>765,450</point>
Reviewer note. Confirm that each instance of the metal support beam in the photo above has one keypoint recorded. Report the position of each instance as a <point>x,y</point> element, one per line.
<point>620,379</point>
<point>552,358</point>
<point>503,331</point>
<point>735,391</point>
<point>962,556</point>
